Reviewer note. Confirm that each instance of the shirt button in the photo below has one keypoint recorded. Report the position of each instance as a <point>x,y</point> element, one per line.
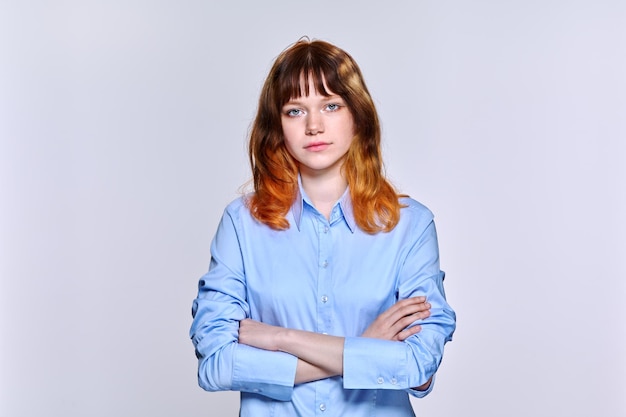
<point>393,381</point>
<point>380,380</point>
<point>326,229</point>
<point>325,264</point>
<point>323,407</point>
<point>324,299</point>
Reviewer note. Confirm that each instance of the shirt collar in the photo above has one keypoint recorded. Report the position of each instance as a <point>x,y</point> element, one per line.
<point>344,203</point>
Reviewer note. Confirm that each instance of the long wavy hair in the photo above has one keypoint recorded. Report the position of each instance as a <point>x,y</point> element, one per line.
<point>275,171</point>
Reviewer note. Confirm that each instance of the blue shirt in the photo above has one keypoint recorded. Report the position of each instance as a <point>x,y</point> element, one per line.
<point>321,276</point>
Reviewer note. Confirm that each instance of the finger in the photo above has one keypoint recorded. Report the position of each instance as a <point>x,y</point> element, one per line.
<point>411,300</point>
<point>406,333</point>
<point>406,321</point>
<point>393,318</point>
<point>423,306</point>
<point>401,309</point>
<point>245,322</point>
<point>407,302</point>
<point>413,308</point>
<point>410,310</point>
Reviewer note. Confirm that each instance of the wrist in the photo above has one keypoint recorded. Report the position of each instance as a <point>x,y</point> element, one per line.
<point>280,339</point>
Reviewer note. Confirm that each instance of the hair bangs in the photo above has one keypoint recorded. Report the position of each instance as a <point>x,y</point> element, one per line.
<point>308,67</point>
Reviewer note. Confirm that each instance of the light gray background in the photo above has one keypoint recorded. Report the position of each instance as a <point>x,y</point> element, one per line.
<point>123,128</point>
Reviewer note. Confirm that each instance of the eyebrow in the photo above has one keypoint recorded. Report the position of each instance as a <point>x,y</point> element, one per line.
<point>329,98</point>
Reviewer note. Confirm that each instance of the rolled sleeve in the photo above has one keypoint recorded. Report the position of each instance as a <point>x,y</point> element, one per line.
<point>382,364</point>
<point>263,372</point>
<point>223,363</point>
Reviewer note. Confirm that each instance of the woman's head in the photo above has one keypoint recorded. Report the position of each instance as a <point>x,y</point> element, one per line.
<point>325,66</point>
<point>328,69</point>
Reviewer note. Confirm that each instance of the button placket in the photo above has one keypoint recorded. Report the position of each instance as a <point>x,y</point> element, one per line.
<point>324,309</point>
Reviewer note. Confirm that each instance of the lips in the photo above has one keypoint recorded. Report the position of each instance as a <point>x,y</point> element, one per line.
<point>317,146</point>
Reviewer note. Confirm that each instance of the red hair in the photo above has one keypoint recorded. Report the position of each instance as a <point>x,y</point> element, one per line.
<point>274,170</point>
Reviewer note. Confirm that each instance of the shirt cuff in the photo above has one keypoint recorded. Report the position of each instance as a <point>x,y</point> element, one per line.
<point>374,364</point>
<point>264,372</point>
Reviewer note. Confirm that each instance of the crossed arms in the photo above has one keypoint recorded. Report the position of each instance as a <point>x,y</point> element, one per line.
<point>321,356</point>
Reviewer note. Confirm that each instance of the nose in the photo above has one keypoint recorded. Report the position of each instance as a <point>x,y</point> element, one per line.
<point>314,124</point>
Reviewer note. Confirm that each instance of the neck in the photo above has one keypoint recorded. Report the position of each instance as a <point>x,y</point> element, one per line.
<point>323,190</point>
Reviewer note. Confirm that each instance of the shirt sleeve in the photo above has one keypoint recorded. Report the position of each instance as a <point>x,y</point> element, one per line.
<point>383,364</point>
<point>223,363</point>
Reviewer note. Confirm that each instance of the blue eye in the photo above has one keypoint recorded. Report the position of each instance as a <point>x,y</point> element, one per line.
<point>332,107</point>
<point>293,112</point>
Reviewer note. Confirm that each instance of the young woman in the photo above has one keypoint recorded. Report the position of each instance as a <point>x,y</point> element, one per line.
<point>324,294</point>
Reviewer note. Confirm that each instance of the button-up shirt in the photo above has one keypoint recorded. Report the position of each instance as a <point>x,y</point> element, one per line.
<point>327,276</point>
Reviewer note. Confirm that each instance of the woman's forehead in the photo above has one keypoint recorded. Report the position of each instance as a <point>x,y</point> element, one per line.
<point>310,83</point>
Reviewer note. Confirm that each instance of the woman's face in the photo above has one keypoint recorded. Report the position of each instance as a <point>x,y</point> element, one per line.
<point>318,132</point>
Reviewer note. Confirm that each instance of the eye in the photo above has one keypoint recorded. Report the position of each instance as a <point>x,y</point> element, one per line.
<point>294,112</point>
<point>332,107</point>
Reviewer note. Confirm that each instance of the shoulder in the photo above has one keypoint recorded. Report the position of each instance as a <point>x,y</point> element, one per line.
<point>238,208</point>
<point>414,208</point>
<point>414,214</point>
<point>237,215</point>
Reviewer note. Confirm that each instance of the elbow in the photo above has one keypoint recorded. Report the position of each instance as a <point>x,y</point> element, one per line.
<point>208,384</point>
<point>426,353</point>
<point>212,376</point>
<point>214,351</point>
<point>424,389</point>
<point>425,385</point>
<point>214,365</point>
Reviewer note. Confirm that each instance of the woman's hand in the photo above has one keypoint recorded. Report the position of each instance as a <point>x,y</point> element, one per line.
<point>259,335</point>
<point>392,324</point>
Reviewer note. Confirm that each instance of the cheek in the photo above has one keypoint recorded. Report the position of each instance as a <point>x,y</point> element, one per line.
<point>348,126</point>
<point>288,131</point>
<point>349,131</point>
<point>290,148</point>
<point>290,145</point>
<point>290,134</point>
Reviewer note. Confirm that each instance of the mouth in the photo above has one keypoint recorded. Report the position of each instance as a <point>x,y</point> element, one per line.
<point>317,146</point>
